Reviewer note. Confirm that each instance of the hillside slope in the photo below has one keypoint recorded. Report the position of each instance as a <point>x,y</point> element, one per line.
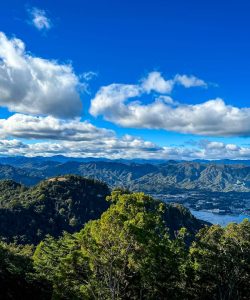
<point>64,203</point>
<point>54,205</point>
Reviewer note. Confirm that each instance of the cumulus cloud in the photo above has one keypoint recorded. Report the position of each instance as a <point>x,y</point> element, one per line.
<point>110,100</point>
<point>34,85</point>
<point>211,118</point>
<point>44,95</point>
<point>76,138</point>
<point>39,19</point>
<point>157,83</point>
<point>31,127</point>
<point>110,147</point>
<point>189,81</point>
<point>67,137</point>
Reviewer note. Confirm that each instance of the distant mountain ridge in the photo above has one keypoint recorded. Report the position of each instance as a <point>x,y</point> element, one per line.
<point>147,177</point>
<point>20,160</point>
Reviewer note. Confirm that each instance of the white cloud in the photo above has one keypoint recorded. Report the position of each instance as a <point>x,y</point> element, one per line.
<point>89,75</point>
<point>39,19</point>
<point>77,138</point>
<point>109,101</point>
<point>68,137</point>
<point>31,127</point>
<point>109,147</point>
<point>211,118</point>
<point>189,81</point>
<point>34,85</point>
<point>45,94</point>
<point>155,82</point>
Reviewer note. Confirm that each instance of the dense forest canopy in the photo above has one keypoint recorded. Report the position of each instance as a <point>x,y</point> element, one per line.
<point>131,247</point>
<point>57,204</point>
<point>64,203</point>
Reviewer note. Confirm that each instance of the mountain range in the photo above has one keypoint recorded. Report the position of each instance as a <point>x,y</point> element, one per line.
<point>148,177</point>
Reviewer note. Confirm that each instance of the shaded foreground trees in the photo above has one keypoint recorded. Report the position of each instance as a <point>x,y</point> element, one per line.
<point>220,259</point>
<point>17,278</point>
<point>128,254</point>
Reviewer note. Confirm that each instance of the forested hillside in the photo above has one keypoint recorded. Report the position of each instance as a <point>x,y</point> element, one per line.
<point>52,206</point>
<point>64,204</point>
<point>128,253</point>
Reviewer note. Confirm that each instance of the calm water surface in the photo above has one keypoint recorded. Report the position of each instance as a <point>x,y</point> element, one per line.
<point>222,220</point>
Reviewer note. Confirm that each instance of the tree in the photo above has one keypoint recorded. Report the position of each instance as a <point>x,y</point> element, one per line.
<point>126,254</point>
<point>129,250</point>
<point>221,261</point>
<point>60,263</point>
<point>17,280</point>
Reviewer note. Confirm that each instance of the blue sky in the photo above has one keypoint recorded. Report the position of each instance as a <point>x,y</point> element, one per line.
<point>123,42</point>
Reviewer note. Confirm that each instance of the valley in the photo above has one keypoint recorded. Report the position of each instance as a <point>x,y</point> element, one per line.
<point>231,203</point>
<point>217,188</point>
<point>213,207</point>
